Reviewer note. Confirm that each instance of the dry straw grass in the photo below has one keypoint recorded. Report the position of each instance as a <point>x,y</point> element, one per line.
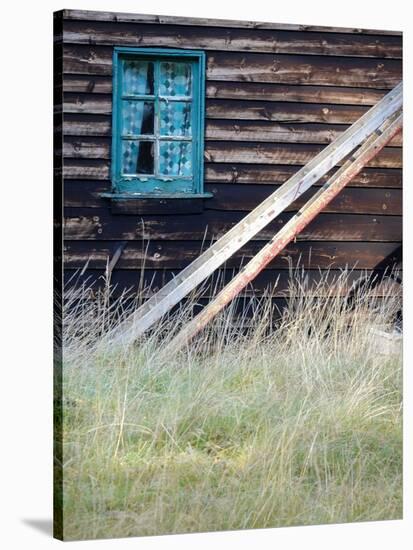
<point>259,423</point>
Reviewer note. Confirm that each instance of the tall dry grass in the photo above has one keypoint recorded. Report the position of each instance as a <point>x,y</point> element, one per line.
<point>259,423</point>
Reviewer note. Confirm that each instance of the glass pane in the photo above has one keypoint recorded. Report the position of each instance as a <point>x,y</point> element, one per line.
<point>137,157</point>
<point>175,79</point>
<point>137,117</point>
<point>175,118</point>
<point>137,77</point>
<point>175,158</point>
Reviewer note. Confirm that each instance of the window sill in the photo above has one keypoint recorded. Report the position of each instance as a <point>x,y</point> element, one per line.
<point>141,203</point>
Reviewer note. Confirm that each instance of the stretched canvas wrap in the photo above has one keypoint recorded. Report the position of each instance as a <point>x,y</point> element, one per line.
<point>228,307</point>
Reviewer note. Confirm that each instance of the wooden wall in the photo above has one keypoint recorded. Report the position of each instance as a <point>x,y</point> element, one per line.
<point>276,95</point>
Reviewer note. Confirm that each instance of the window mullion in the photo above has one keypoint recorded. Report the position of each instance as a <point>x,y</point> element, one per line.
<point>157,121</point>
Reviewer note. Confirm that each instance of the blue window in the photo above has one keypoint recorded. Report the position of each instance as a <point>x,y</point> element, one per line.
<point>158,122</point>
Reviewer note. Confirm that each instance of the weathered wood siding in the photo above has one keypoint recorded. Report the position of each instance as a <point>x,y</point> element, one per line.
<point>276,94</point>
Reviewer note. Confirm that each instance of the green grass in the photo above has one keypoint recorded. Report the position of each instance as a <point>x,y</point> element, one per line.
<point>245,429</point>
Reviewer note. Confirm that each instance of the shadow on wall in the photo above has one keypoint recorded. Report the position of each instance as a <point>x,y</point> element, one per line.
<point>44,526</point>
<point>386,268</point>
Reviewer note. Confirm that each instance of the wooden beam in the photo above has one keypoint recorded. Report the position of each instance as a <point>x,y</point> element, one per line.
<point>172,256</point>
<point>90,15</point>
<point>297,154</point>
<point>78,83</point>
<point>274,282</point>
<point>80,124</point>
<point>286,234</point>
<point>231,39</point>
<point>96,224</point>
<point>217,254</point>
<point>231,197</point>
<point>260,67</point>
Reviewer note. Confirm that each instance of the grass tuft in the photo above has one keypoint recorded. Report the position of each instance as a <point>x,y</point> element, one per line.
<point>270,421</point>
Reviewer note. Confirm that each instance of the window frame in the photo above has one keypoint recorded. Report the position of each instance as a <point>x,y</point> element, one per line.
<point>131,186</point>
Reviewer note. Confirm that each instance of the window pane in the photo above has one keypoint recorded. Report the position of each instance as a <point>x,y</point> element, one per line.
<point>175,158</point>
<point>137,77</point>
<point>137,117</point>
<point>175,79</point>
<point>175,118</point>
<point>137,157</point>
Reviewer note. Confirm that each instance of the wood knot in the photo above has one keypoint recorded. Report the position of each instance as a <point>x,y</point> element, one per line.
<point>275,66</point>
<point>266,114</point>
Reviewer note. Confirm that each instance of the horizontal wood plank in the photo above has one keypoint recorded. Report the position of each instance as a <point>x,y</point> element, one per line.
<point>96,169</point>
<point>293,69</point>
<point>245,197</point>
<point>355,201</point>
<point>85,192</point>
<point>276,283</point>
<point>99,224</point>
<point>227,152</point>
<point>86,125</point>
<point>99,169</point>
<point>231,39</point>
<point>263,131</point>
<point>96,104</point>
<point>227,130</point>
<point>176,255</point>
<point>284,112</point>
<point>291,93</point>
<point>273,174</point>
<point>101,104</point>
<point>296,154</point>
<point>89,15</point>
<point>78,83</point>
<point>255,67</point>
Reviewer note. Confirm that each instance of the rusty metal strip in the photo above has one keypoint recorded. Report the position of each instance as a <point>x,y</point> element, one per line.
<point>201,268</point>
<point>296,224</point>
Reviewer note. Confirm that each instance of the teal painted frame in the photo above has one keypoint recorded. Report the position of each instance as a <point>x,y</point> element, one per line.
<point>123,187</point>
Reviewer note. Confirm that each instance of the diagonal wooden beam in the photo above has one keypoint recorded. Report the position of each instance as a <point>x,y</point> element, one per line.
<point>159,304</point>
<point>296,224</point>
